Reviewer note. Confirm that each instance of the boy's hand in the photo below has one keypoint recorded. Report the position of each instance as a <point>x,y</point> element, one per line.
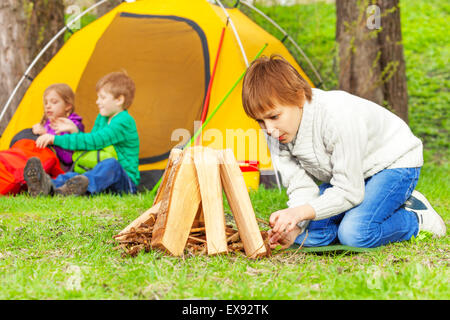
<point>63,125</point>
<point>284,220</point>
<point>285,240</point>
<point>38,129</point>
<point>44,140</point>
<point>284,224</point>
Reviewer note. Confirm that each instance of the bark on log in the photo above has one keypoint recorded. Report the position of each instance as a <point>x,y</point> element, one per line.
<point>371,62</point>
<point>26,26</point>
<point>179,206</point>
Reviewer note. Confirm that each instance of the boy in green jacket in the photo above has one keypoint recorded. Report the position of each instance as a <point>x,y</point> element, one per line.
<point>113,126</point>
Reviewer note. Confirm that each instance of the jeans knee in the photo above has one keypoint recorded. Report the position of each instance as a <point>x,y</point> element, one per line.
<point>110,163</point>
<point>356,235</point>
<point>347,235</point>
<point>317,238</point>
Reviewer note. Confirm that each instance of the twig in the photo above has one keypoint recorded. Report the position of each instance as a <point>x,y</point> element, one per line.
<point>233,238</point>
<point>301,245</point>
<point>124,234</point>
<point>230,230</point>
<point>263,222</point>
<point>236,246</point>
<point>197,239</point>
<point>196,234</point>
<point>203,251</point>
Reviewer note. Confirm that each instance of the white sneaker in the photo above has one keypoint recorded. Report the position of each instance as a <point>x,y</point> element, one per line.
<point>429,219</point>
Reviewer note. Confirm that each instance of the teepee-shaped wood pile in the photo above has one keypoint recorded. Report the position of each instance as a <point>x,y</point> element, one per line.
<point>190,195</point>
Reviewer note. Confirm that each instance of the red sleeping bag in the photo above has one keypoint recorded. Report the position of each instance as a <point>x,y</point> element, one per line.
<point>13,160</point>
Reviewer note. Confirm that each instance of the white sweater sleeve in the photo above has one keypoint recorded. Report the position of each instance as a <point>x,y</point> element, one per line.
<point>347,143</point>
<point>301,187</point>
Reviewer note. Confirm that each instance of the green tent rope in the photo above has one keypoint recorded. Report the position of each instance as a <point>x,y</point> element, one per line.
<point>214,112</point>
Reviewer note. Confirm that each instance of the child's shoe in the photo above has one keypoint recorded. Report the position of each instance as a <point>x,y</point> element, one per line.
<point>429,219</point>
<point>75,186</point>
<point>38,181</point>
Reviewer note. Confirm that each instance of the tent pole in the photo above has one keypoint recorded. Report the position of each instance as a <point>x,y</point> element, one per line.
<point>155,188</point>
<point>286,35</point>
<point>235,32</point>
<point>224,99</point>
<point>60,32</point>
<point>208,94</point>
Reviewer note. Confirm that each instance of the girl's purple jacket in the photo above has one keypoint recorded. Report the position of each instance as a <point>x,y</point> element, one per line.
<point>65,155</point>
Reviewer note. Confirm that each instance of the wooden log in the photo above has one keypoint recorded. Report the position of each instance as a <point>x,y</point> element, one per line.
<point>240,204</point>
<point>233,237</point>
<point>143,218</point>
<point>194,230</point>
<point>197,239</point>
<point>199,217</point>
<point>179,205</point>
<point>174,156</point>
<point>207,167</point>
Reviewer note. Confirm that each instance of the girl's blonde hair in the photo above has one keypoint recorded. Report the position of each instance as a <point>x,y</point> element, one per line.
<point>65,92</point>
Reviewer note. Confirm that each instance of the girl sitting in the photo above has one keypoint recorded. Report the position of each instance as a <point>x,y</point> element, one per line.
<point>59,118</point>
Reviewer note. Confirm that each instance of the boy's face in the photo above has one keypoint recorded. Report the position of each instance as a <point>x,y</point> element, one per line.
<point>108,105</point>
<point>281,122</point>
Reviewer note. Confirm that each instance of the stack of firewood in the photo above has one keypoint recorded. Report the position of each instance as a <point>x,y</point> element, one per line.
<point>187,214</point>
<point>138,239</point>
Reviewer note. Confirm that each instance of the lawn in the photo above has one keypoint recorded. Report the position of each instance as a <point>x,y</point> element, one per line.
<point>62,248</point>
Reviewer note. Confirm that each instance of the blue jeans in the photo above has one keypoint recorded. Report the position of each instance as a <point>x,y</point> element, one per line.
<point>378,220</point>
<point>107,176</point>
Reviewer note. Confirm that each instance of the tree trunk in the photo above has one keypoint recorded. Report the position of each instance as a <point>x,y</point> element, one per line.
<point>371,62</point>
<point>107,7</point>
<point>26,26</point>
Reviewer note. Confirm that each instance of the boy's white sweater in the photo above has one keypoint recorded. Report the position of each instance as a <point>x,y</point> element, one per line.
<point>342,139</point>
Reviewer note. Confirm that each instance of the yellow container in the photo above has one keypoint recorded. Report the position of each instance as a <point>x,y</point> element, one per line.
<point>250,171</point>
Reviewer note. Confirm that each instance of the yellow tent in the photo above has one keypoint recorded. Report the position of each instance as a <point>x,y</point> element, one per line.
<point>169,48</point>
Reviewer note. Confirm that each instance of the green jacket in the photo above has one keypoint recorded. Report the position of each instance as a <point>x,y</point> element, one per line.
<point>121,132</point>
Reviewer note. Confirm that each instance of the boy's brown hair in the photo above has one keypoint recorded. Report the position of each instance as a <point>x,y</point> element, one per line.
<point>270,81</point>
<point>118,84</point>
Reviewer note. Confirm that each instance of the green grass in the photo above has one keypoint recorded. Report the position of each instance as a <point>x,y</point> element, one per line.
<point>61,248</point>
<point>47,243</point>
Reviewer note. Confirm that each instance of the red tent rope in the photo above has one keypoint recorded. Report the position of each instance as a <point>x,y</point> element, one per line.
<point>208,94</point>
<point>196,134</point>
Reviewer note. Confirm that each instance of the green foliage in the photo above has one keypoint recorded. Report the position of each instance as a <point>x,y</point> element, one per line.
<point>313,27</point>
<point>425,39</point>
<point>84,21</point>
